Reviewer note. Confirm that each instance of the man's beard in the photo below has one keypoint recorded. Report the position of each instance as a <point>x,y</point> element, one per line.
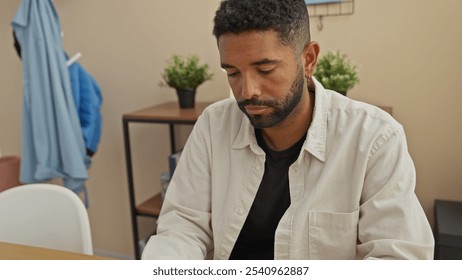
<point>281,109</point>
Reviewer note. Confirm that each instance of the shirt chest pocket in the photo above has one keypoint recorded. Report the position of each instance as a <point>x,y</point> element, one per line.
<point>332,235</point>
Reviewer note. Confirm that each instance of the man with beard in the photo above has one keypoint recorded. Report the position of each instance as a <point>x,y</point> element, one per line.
<point>293,171</point>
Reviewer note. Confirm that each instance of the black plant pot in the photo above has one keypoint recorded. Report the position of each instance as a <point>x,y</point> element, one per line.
<point>186,97</point>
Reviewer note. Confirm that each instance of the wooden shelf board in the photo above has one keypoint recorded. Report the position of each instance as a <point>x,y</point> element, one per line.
<point>150,206</point>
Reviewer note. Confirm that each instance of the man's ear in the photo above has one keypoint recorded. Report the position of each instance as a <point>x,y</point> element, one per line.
<point>310,58</point>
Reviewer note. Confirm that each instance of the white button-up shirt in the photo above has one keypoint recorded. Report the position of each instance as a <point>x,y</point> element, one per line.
<point>351,188</point>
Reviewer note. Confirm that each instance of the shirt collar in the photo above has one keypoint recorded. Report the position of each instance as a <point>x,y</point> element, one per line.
<point>246,137</point>
<point>315,139</point>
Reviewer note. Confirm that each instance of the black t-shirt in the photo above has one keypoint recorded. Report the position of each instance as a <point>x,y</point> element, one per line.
<point>256,239</point>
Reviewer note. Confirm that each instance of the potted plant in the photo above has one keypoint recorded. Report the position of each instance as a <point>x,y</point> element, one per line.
<point>185,74</point>
<point>336,72</point>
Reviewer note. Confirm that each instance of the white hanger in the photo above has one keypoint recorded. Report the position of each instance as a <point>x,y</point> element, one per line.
<point>73,59</point>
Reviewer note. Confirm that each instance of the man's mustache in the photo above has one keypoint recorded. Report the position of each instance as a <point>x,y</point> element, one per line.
<point>257,102</point>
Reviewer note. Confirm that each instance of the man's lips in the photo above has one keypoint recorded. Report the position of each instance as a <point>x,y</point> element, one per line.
<point>256,110</point>
<point>256,106</point>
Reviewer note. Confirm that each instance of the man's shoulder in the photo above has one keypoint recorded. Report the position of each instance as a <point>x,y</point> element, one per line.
<point>358,109</point>
<point>366,120</point>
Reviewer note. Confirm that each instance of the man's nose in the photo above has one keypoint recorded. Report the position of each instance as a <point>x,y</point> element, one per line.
<point>250,88</point>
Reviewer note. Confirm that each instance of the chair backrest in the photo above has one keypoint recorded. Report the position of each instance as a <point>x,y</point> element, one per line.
<point>45,215</point>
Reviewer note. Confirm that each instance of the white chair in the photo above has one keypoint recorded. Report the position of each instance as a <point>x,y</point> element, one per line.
<point>45,215</point>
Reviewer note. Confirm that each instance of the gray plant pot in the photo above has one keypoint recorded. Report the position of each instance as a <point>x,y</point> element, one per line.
<point>186,97</point>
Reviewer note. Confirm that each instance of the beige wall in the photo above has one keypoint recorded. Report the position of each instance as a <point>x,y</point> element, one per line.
<point>408,52</point>
<point>410,59</point>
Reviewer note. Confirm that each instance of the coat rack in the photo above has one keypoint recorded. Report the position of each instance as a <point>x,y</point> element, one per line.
<point>73,59</point>
<point>327,8</point>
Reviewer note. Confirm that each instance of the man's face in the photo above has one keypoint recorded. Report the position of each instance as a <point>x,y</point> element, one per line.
<point>266,79</point>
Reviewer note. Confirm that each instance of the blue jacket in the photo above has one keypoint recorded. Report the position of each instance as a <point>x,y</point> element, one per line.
<point>88,100</point>
<point>52,140</point>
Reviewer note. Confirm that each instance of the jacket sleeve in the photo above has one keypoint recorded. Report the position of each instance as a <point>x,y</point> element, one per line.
<point>184,226</point>
<point>392,223</point>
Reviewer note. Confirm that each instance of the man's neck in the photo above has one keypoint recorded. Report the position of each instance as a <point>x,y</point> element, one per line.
<point>286,133</point>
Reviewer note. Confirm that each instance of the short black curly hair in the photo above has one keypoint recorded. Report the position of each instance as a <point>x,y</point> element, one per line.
<point>289,18</point>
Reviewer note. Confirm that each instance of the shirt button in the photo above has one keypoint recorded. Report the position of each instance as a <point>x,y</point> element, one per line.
<point>222,253</point>
<point>240,211</point>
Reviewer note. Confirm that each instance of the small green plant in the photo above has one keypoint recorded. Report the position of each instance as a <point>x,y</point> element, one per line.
<point>336,72</point>
<point>185,72</point>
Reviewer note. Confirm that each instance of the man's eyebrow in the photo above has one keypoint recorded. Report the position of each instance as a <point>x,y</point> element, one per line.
<point>227,66</point>
<point>256,63</point>
<point>266,61</point>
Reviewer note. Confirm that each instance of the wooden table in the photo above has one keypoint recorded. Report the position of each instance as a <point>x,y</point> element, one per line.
<point>169,113</point>
<point>10,251</point>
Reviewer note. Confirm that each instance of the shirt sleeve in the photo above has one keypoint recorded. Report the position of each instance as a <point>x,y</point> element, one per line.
<point>392,223</point>
<point>184,226</point>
